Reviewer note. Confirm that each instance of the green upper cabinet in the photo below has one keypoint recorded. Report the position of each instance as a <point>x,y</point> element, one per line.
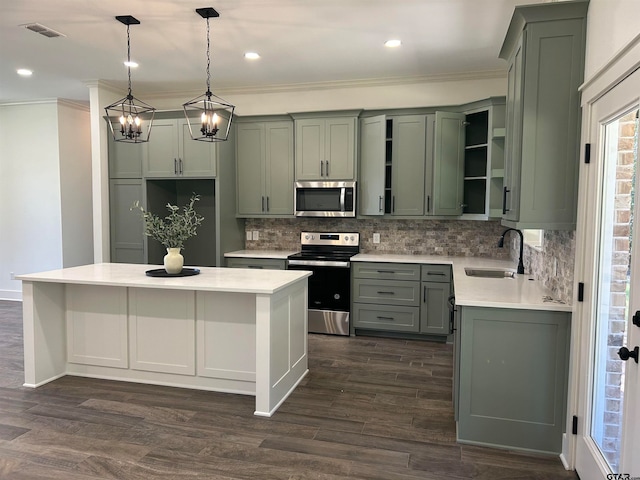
<point>264,154</point>
<point>412,165</point>
<point>408,165</point>
<point>325,147</point>
<point>544,47</point>
<point>393,162</point>
<point>125,159</point>
<point>371,194</point>
<point>171,152</point>
<point>448,165</point>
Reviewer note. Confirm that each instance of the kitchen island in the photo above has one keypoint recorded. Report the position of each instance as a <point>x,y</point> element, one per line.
<point>227,330</point>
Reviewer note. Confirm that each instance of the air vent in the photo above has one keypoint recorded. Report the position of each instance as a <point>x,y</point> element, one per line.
<point>42,30</point>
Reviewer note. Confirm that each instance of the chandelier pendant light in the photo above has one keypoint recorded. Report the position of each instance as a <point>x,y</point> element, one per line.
<point>127,116</point>
<point>209,116</point>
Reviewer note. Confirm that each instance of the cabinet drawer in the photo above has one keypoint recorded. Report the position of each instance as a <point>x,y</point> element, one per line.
<point>436,273</point>
<point>388,292</point>
<point>259,263</point>
<point>384,317</point>
<point>386,271</point>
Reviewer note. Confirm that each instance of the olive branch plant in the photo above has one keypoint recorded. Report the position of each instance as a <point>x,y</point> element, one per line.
<point>172,230</point>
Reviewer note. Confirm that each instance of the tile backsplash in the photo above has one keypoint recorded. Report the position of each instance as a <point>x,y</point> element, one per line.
<point>559,251</point>
<point>411,237</point>
<point>432,237</point>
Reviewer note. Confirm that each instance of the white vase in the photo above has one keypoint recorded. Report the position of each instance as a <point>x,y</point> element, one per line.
<point>173,260</point>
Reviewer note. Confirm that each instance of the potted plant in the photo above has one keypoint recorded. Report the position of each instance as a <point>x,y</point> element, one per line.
<point>172,230</point>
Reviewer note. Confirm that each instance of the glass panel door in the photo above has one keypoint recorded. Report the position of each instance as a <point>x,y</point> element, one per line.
<point>619,151</point>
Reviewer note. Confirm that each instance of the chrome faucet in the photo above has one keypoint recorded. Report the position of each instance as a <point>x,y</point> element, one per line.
<point>501,244</point>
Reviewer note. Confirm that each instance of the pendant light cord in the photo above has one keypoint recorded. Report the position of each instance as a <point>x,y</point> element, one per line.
<point>208,61</point>
<point>129,59</point>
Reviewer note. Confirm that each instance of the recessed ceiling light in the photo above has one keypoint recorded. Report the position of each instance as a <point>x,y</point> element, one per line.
<point>251,55</point>
<point>24,72</point>
<point>392,43</point>
<point>131,64</point>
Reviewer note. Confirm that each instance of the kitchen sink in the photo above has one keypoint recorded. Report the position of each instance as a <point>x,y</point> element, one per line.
<point>490,272</point>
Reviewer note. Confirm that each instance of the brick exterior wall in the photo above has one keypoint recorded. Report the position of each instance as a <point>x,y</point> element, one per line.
<point>619,280</point>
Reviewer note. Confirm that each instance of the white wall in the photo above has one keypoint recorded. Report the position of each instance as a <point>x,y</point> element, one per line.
<point>37,153</point>
<point>75,187</point>
<point>611,24</point>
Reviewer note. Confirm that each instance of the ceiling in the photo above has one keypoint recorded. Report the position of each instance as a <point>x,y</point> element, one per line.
<point>300,42</point>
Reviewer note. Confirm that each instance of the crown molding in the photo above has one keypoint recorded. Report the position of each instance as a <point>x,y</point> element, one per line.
<point>339,84</point>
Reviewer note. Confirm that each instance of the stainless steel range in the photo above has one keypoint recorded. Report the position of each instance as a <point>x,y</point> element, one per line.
<point>328,256</point>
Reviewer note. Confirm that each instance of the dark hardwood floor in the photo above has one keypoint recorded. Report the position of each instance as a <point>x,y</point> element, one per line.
<point>370,408</point>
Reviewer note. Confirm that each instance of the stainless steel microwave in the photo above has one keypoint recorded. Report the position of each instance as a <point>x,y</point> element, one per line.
<point>325,199</point>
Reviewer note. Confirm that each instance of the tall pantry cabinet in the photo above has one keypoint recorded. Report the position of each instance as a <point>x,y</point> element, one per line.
<point>544,47</point>
<point>170,171</point>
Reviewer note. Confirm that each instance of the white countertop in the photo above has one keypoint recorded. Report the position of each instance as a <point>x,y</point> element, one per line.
<point>212,279</point>
<point>519,292</point>
<point>275,254</point>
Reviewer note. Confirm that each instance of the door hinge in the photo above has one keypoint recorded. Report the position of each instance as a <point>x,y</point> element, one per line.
<point>581,292</point>
<point>574,425</point>
<point>587,153</point>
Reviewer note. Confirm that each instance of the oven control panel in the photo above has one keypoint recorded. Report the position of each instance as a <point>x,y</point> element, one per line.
<point>334,239</point>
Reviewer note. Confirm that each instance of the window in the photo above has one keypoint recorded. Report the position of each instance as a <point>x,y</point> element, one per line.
<point>534,238</point>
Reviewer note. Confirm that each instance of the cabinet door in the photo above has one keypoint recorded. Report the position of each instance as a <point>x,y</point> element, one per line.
<point>448,164</point>
<point>198,158</point>
<point>250,158</point>
<point>552,73</point>
<point>372,165</point>
<point>162,328</point>
<point>434,309</point>
<point>279,168</point>
<point>162,151</point>
<point>513,140</point>
<point>126,229</point>
<point>513,378</point>
<point>340,148</point>
<point>125,159</point>
<point>408,165</point>
<point>309,149</point>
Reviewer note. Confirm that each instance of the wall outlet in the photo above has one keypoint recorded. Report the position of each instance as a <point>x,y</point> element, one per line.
<point>248,235</point>
<point>376,238</point>
<point>256,235</point>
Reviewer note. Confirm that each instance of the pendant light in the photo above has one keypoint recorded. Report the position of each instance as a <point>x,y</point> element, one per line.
<point>128,115</point>
<point>209,116</point>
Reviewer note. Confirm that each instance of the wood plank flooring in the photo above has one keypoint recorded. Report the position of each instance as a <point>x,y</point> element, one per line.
<point>370,408</point>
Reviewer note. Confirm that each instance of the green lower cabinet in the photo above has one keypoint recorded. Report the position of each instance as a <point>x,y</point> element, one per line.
<point>513,378</point>
<point>386,317</point>
<point>257,263</point>
<point>395,298</point>
<point>434,309</point>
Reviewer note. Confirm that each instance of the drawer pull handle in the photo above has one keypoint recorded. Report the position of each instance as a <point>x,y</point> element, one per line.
<point>255,266</point>
<point>440,274</point>
<point>386,293</point>
<point>386,271</point>
<point>386,318</point>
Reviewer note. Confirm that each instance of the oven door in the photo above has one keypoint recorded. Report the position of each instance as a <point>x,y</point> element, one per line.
<point>329,295</point>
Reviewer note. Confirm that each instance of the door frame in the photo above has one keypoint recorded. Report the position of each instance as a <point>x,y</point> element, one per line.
<point>622,65</point>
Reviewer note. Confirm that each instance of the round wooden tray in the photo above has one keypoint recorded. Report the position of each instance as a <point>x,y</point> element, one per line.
<point>161,272</point>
